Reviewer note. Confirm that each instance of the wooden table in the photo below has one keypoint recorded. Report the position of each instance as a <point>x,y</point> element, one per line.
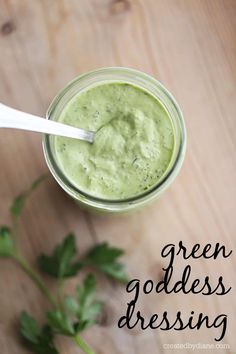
<point>190,46</point>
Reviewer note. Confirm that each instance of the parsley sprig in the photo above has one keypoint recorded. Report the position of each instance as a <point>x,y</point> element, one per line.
<point>69,314</point>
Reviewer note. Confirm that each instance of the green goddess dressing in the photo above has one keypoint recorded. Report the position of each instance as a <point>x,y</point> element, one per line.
<point>133,145</point>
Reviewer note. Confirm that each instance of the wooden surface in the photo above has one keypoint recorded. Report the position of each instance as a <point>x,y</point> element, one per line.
<point>190,46</point>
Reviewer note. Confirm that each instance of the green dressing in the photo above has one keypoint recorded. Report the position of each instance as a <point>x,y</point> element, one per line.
<point>132,148</point>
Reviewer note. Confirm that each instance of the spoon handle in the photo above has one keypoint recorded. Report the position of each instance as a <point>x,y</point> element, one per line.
<point>12,118</point>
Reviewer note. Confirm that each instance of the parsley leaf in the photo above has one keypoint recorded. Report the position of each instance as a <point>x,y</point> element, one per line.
<point>71,304</point>
<point>29,328</point>
<point>18,204</point>
<point>60,322</point>
<point>39,340</point>
<point>89,309</point>
<point>85,309</point>
<point>115,270</point>
<point>61,264</point>
<point>6,242</point>
<point>19,201</point>
<point>105,258</point>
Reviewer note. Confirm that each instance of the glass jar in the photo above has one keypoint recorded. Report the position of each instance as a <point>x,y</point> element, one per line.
<point>137,78</point>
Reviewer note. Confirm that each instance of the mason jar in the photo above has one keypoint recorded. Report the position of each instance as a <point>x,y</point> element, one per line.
<point>143,81</point>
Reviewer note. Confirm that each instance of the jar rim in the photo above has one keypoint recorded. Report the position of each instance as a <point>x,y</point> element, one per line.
<point>168,101</point>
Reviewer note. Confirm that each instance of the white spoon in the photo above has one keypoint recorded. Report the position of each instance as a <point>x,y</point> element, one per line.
<point>12,118</point>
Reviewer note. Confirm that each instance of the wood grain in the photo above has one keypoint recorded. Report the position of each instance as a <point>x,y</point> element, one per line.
<point>190,46</point>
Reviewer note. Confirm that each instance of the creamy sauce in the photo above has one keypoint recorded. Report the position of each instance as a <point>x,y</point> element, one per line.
<point>133,145</point>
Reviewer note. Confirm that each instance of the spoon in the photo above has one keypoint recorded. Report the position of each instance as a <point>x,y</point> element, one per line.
<point>12,118</point>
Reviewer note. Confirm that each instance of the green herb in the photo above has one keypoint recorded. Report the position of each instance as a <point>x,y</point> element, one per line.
<point>86,309</point>
<point>60,322</point>
<point>60,264</point>
<point>6,243</point>
<point>20,200</point>
<point>105,258</point>
<point>69,315</point>
<point>39,340</point>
